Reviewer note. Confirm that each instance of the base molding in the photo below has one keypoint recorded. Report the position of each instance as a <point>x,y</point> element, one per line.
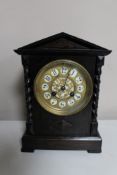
<point>91,144</point>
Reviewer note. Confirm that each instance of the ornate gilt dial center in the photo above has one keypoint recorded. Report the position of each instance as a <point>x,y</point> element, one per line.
<point>63,87</point>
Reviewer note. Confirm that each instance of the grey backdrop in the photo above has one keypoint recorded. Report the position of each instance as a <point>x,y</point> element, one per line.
<point>23,22</point>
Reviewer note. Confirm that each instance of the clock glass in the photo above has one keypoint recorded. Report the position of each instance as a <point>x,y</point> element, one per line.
<point>63,87</point>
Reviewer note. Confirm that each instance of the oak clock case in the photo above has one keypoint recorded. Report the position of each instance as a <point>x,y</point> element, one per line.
<point>62,78</point>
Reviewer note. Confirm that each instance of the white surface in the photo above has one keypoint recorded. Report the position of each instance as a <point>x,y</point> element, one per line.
<point>41,162</point>
<point>23,22</point>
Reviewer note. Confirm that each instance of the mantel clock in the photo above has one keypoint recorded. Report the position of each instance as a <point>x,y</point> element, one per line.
<point>62,78</point>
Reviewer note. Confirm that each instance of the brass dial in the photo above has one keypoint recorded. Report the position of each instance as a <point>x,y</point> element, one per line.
<point>63,87</point>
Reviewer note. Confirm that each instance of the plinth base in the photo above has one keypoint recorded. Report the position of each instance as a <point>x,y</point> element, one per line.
<point>91,144</point>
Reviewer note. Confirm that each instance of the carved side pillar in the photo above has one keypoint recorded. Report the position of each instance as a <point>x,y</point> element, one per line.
<point>28,97</point>
<point>94,123</point>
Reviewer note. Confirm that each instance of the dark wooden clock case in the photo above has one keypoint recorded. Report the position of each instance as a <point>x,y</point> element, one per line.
<point>48,131</point>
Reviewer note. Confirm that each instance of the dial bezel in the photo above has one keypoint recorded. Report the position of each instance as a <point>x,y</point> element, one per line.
<point>72,110</point>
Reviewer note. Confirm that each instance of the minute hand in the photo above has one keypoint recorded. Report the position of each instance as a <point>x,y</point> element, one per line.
<point>67,77</point>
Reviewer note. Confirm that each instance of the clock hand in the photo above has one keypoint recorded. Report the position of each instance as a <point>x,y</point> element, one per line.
<point>63,87</point>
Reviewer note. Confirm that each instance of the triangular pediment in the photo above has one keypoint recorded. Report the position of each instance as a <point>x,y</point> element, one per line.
<point>62,42</point>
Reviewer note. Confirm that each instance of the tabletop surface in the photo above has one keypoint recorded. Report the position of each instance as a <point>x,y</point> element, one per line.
<point>46,162</point>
